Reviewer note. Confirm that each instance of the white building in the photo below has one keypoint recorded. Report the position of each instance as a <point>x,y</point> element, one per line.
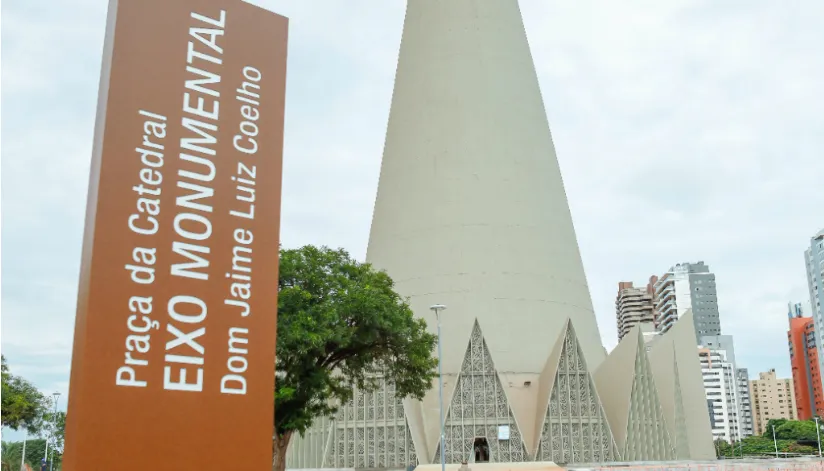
<point>744,424</point>
<point>721,389</point>
<point>814,266</point>
<point>683,287</point>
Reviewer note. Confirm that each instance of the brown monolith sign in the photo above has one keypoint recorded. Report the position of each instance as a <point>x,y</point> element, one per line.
<point>174,351</point>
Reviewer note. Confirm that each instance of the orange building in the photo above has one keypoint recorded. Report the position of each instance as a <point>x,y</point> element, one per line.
<point>809,397</point>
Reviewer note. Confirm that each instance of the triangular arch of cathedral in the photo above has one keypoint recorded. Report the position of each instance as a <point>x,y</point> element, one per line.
<point>647,436</point>
<point>480,412</point>
<point>575,427</point>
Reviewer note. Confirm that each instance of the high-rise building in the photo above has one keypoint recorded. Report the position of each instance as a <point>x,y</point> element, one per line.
<point>721,389</point>
<point>738,385</point>
<point>744,402</point>
<point>683,287</point>
<point>471,213</point>
<point>651,289</point>
<point>809,397</point>
<point>721,342</point>
<point>772,398</point>
<point>633,306</point>
<point>691,286</point>
<point>814,267</point>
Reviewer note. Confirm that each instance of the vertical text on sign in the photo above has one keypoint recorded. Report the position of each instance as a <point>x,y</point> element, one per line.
<point>185,354</point>
<point>243,210</point>
<point>141,267</point>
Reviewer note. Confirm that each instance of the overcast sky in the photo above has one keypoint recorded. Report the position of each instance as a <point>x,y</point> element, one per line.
<point>685,131</point>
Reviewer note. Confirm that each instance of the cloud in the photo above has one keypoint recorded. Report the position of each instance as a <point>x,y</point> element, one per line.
<point>685,131</point>
<point>689,132</point>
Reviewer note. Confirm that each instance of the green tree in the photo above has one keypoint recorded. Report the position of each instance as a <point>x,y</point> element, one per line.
<point>768,430</point>
<point>340,323</point>
<point>722,448</point>
<point>794,430</point>
<point>7,456</point>
<point>54,426</point>
<point>35,450</point>
<point>22,404</point>
<point>792,436</point>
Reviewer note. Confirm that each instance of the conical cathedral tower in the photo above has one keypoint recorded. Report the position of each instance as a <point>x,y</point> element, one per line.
<point>471,210</point>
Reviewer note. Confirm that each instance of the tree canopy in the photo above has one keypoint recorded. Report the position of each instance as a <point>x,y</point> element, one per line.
<point>23,405</point>
<point>777,423</point>
<point>54,428</point>
<point>799,430</point>
<point>12,455</point>
<point>791,436</point>
<point>761,446</point>
<point>340,323</point>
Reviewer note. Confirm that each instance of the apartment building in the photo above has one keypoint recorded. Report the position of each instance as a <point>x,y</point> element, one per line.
<point>721,389</point>
<point>687,286</point>
<point>633,306</point>
<point>745,420</point>
<point>772,398</point>
<point>814,267</point>
<point>740,382</point>
<point>691,286</point>
<point>801,340</point>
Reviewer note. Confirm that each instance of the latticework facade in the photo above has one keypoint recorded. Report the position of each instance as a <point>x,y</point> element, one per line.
<point>647,436</point>
<point>575,428</point>
<point>478,409</point>
<point>682,446</point>
<point>370,431</point>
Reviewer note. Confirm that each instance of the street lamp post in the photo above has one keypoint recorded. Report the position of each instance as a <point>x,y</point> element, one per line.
<point>818,435</point>
<point>56,395</point>
<point>775,441</point>
<point>437,308</point>
<point>23,458</point>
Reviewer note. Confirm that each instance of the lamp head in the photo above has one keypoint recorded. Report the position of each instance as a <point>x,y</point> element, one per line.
<point>437,307</point>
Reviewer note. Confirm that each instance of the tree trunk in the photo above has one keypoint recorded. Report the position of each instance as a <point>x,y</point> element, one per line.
<point>279,446</point>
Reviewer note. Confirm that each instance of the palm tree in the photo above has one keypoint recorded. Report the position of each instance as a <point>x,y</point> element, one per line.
<point>10,455</point>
